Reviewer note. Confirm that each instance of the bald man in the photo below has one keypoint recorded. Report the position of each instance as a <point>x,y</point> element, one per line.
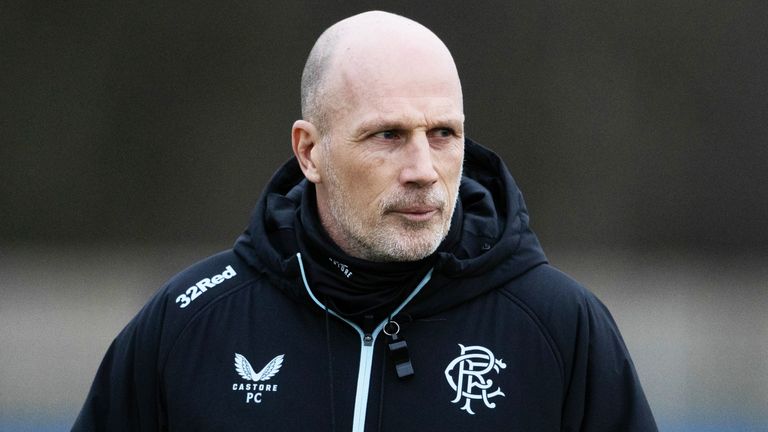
<point>388,281</point>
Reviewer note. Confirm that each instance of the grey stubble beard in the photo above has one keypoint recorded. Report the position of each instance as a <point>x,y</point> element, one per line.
<point>398,240</point>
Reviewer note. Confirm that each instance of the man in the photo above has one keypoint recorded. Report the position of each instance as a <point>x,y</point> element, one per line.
<point>377,288</point>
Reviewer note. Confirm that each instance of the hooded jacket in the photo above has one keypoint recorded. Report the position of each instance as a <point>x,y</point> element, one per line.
<point>496,338</point>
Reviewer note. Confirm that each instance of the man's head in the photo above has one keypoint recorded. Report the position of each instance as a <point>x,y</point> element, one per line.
<point>382,136</point>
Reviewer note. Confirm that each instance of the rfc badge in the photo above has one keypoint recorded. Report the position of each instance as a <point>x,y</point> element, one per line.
<point>467,376</point>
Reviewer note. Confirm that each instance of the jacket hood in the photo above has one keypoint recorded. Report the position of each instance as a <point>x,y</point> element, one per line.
<point>495,242</point>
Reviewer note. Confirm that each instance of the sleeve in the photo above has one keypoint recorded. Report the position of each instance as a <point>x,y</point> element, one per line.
<point>604,393</point>
<point>125,394</point>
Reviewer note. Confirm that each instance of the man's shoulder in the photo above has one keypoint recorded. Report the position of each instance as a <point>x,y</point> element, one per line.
<point>567,312</point>
<point>557,301</point>
<point>192,290</point>
<point>187,295</point>
<point>548,286</point>
<point>203,282</point>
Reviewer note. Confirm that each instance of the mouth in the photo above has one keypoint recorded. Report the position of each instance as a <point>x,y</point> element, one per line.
<point>416,214</point>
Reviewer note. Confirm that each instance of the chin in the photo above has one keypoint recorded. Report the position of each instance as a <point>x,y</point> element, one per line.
<point>407,247</point>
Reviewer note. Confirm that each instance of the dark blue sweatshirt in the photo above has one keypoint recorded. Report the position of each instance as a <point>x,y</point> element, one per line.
<point>497,339</point>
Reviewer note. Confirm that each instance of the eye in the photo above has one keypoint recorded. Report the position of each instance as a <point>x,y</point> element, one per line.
<point>387,135</point>
<point>442,133</point>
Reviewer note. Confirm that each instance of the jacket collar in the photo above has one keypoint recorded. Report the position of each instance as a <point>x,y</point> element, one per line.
<point>495,242</point>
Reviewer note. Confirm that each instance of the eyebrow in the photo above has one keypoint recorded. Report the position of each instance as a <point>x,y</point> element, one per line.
<point>381,124</point>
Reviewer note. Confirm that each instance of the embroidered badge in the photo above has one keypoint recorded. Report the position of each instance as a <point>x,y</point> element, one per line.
<point>254,391</point>
<point>466,375</point>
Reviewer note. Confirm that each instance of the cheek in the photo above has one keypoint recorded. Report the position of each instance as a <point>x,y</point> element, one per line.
<point>450,165</point>
<point>357,190</point>
<point>372,178</point>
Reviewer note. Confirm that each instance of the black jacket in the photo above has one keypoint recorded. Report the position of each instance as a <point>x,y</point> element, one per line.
<point>499,340</point>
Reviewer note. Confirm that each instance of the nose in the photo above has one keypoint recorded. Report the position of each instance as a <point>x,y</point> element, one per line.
<point>418,162</point>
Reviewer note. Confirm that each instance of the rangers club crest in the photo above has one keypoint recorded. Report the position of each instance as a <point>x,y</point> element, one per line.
<point>467,376</point>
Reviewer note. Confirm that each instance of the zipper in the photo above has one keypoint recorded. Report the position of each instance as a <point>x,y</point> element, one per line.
<point>366,348</point>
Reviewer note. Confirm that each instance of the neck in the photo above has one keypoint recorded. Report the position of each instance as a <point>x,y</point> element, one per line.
<point>360,290</point>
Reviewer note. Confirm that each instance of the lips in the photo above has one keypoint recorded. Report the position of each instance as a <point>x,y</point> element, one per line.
<point>418,207</point>
<point>416,214</point>
<point>416,210</point>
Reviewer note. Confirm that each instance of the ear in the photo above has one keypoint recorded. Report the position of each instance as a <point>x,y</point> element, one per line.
<point>305,140</point>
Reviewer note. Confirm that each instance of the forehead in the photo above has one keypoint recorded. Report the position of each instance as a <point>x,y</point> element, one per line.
<point>406,95</point>
<point>398,112</point>
<point>407,75</point>
<point>388,71</point>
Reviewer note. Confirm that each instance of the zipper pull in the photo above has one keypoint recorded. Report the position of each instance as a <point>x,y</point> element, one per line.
<point>367,325</point>
<point>398,351</point>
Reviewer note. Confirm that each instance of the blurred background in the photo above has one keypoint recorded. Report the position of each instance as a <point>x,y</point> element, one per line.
<point>135,138</point>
